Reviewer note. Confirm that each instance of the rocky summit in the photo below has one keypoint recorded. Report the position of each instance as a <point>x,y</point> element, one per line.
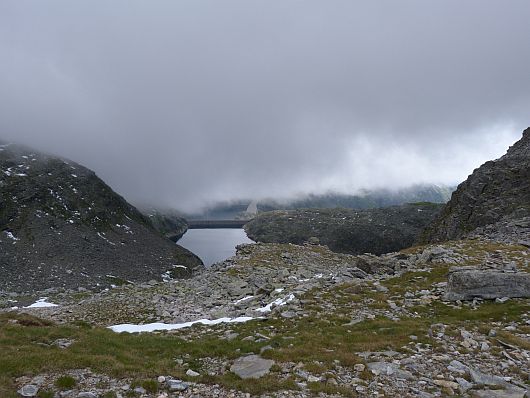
<point>377,231</point>
<point>494,201</point>
<point>63,227</point>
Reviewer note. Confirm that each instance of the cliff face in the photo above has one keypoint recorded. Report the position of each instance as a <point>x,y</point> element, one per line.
<point>374,231</point>
<point>497,193</point>
<point>62,226</point>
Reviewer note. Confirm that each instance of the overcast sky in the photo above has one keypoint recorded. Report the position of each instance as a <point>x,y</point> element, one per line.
<point>181,103</point>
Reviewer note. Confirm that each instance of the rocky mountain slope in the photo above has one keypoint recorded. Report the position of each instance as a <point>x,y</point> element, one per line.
<point>166,221</point>
<point>62,226</point>
<point>374,231</point>
<point>495,197</point>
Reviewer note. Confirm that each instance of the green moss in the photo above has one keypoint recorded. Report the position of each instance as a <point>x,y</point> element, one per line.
<point>318,388</point>
<point>65,382</point>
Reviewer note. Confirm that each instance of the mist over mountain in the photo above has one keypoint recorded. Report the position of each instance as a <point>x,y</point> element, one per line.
<point>366,199</point>
<point>184,104</point>
<point>326,168</point>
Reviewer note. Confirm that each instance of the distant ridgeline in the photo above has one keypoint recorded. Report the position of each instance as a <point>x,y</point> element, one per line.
<point>368,199</point>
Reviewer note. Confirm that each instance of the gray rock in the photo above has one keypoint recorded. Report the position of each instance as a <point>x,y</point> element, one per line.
<point>288,314</point>
<point>467,284</point>
<point>192,373</point>
<point>251,367</point>
<point>87,394</point>
<point>29,390</point>
<point>63,343</point>
<point>458,367</point>
<point>515,393</point>
<point>487,380</point>
<point>231,336</point>
<point>38,381</point>
<point>389,369</point>
<point>464,384</point>
<point>177,385</point>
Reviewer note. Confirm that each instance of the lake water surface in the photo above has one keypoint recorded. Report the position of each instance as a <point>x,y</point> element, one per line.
<point>213,245</point>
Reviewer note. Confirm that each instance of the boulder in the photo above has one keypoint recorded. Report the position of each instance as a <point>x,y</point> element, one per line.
<point>29,390</point>
<point>177,385</point>
<point>466,284</point>
<point>515,393</point>
<point>251,367</point>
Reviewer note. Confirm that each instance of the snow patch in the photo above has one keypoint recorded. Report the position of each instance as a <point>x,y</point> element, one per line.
<point>243,299</point>
<point>41,303</point>
<point>11,236</point>
<point>105,239</point>
<point>277,303</point>
<point>151,327</point>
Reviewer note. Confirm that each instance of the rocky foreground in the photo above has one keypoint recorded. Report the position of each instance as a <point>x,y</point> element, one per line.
<point>281,320</point>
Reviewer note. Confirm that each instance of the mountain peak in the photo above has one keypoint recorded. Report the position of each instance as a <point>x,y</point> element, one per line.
<point>521,148</point>
<point>62,226</point>
<point>496,192</point>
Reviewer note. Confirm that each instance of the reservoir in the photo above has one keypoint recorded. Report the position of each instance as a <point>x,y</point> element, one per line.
<point>213,245</point>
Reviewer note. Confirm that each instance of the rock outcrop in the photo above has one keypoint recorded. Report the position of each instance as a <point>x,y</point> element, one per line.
<point>497,193</point>
<point>470,283</point>
<point>61,226</point>
<point>374,231</point>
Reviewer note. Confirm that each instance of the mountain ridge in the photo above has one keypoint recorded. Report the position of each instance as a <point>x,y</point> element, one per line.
<point>62,226</point>
<point>496,192</point>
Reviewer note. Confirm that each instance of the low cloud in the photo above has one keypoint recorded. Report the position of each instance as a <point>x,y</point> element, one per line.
<point>184,103</point>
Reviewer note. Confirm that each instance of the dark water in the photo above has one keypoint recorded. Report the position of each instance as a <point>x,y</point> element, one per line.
<point>213,245</point>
